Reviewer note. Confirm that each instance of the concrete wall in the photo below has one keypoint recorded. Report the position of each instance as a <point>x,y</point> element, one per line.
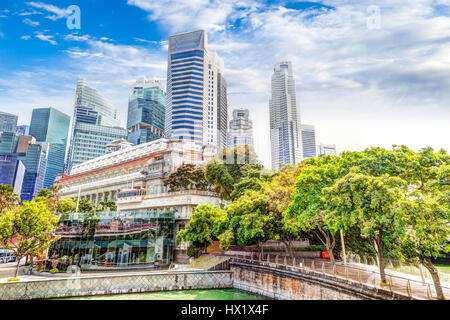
<point>288,283</point>
<point>116,284</point>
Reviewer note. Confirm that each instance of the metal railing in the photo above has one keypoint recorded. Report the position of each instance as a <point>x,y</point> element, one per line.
<point>395,284</point>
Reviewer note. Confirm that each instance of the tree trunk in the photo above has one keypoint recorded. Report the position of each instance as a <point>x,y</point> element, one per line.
<point>378,246</point>
<point>288,245</point>
<point>17,267</point>
<point>435,276</point>
<point>329,243</point>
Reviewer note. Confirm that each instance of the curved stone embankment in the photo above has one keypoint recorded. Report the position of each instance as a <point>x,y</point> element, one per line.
<point>289,283</point>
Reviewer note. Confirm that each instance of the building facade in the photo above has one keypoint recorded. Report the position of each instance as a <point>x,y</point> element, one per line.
<point>8,122</point>
<point>285,131</point>
<point>34,156</point>
<point>12,171</point>
<point>51,126</point>
<point>240,129</point>
<point>94,125</point>
<point>196,91</point>
<point>133,177</point>
<point>308,141</point>
<point>327,149</point>
<point>116,240</point>
<point>146,112</point>
<point>23,130</point>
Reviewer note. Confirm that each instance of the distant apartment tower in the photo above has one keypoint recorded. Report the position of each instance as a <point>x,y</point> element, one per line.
<point>34,156</point>
<point>308,141</point>
<point>51,126</point>
<point>240,131</point>
<point>23,130</point>
<point>8,122</point>
<point>327,149</point>
<point>285,132</point>
<point>94,125</point>
<point>196,91</point>
<point>146,112</point>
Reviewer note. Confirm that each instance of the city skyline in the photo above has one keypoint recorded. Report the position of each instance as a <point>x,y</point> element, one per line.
<point>356,88</point>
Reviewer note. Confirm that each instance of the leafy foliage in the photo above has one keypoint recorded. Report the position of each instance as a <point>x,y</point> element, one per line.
<point>187,177</point>
<point>203,226</point>
<point>27,230</point>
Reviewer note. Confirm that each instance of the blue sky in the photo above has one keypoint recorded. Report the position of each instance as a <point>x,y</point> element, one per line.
<point>361,84</point>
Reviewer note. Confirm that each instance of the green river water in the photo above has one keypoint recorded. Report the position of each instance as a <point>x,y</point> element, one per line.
<point>218,294</point>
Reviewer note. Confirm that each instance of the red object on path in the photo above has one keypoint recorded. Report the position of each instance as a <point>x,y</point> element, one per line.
<point>325,255</point>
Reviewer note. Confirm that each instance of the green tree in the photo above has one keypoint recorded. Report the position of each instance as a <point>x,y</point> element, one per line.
<point>107,203</point>
<point>85,206</point>
<point>249,221</point>
<point>66,206</point>
<point>187,177</point>
<point>8,198</point>
<point>203,226</point>
<point>51,196</point>
<point>217,174</point>
<point>279,190</point>
<point>308,204</point>
<point>369,202</point>
<point>28,230</point>
<point>426,234</point>
<point>253,181</point>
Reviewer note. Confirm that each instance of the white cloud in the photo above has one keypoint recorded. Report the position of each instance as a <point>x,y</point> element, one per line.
<point>47,38</point>
<point>25,37</point>
<point>57,13</point>
<point>359,87</point>
<point>31,22</point>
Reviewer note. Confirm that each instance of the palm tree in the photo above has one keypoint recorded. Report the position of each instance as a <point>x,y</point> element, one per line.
<point>108,203</point>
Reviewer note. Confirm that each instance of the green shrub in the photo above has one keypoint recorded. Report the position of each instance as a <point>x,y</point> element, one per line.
<point>54,270</point>
<point>192,251</point>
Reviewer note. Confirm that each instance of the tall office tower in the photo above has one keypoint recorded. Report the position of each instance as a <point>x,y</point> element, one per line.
<point>195,90</point>
<point>8,142</point>
<point>12,171</point>
<point>241,129</point>
<point>146,112</point>
<point>23,130</point>
<point>308,141</point>
<point>94,125</point>
<point>285,132</point>
<point>34,156</point>
<point>327,149</point>
<point>222,111</point>
<point>51,126</point>
<point>8,122</point>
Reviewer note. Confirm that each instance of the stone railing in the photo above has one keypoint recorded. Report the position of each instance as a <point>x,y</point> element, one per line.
<point>116,284</point>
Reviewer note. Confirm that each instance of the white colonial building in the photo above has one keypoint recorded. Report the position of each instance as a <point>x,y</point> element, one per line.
<point>133,177</point>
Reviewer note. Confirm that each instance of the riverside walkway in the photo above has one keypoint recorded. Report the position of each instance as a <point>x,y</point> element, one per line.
<point>404,284</point>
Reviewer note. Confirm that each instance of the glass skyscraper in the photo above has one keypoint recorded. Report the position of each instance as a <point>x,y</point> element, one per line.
<point>146,112</point>
<point>12,171</point>
<point>285,131</point>
<point>195,90</point>
<point>94,125</point>
<point>8,122</point>
<point>241,129</point>
<point>51,126</point>
<point>35,159</point>
<point>308,141</point>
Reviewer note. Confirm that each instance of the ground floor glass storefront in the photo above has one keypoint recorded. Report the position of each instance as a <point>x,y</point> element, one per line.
<point>115,239</point>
